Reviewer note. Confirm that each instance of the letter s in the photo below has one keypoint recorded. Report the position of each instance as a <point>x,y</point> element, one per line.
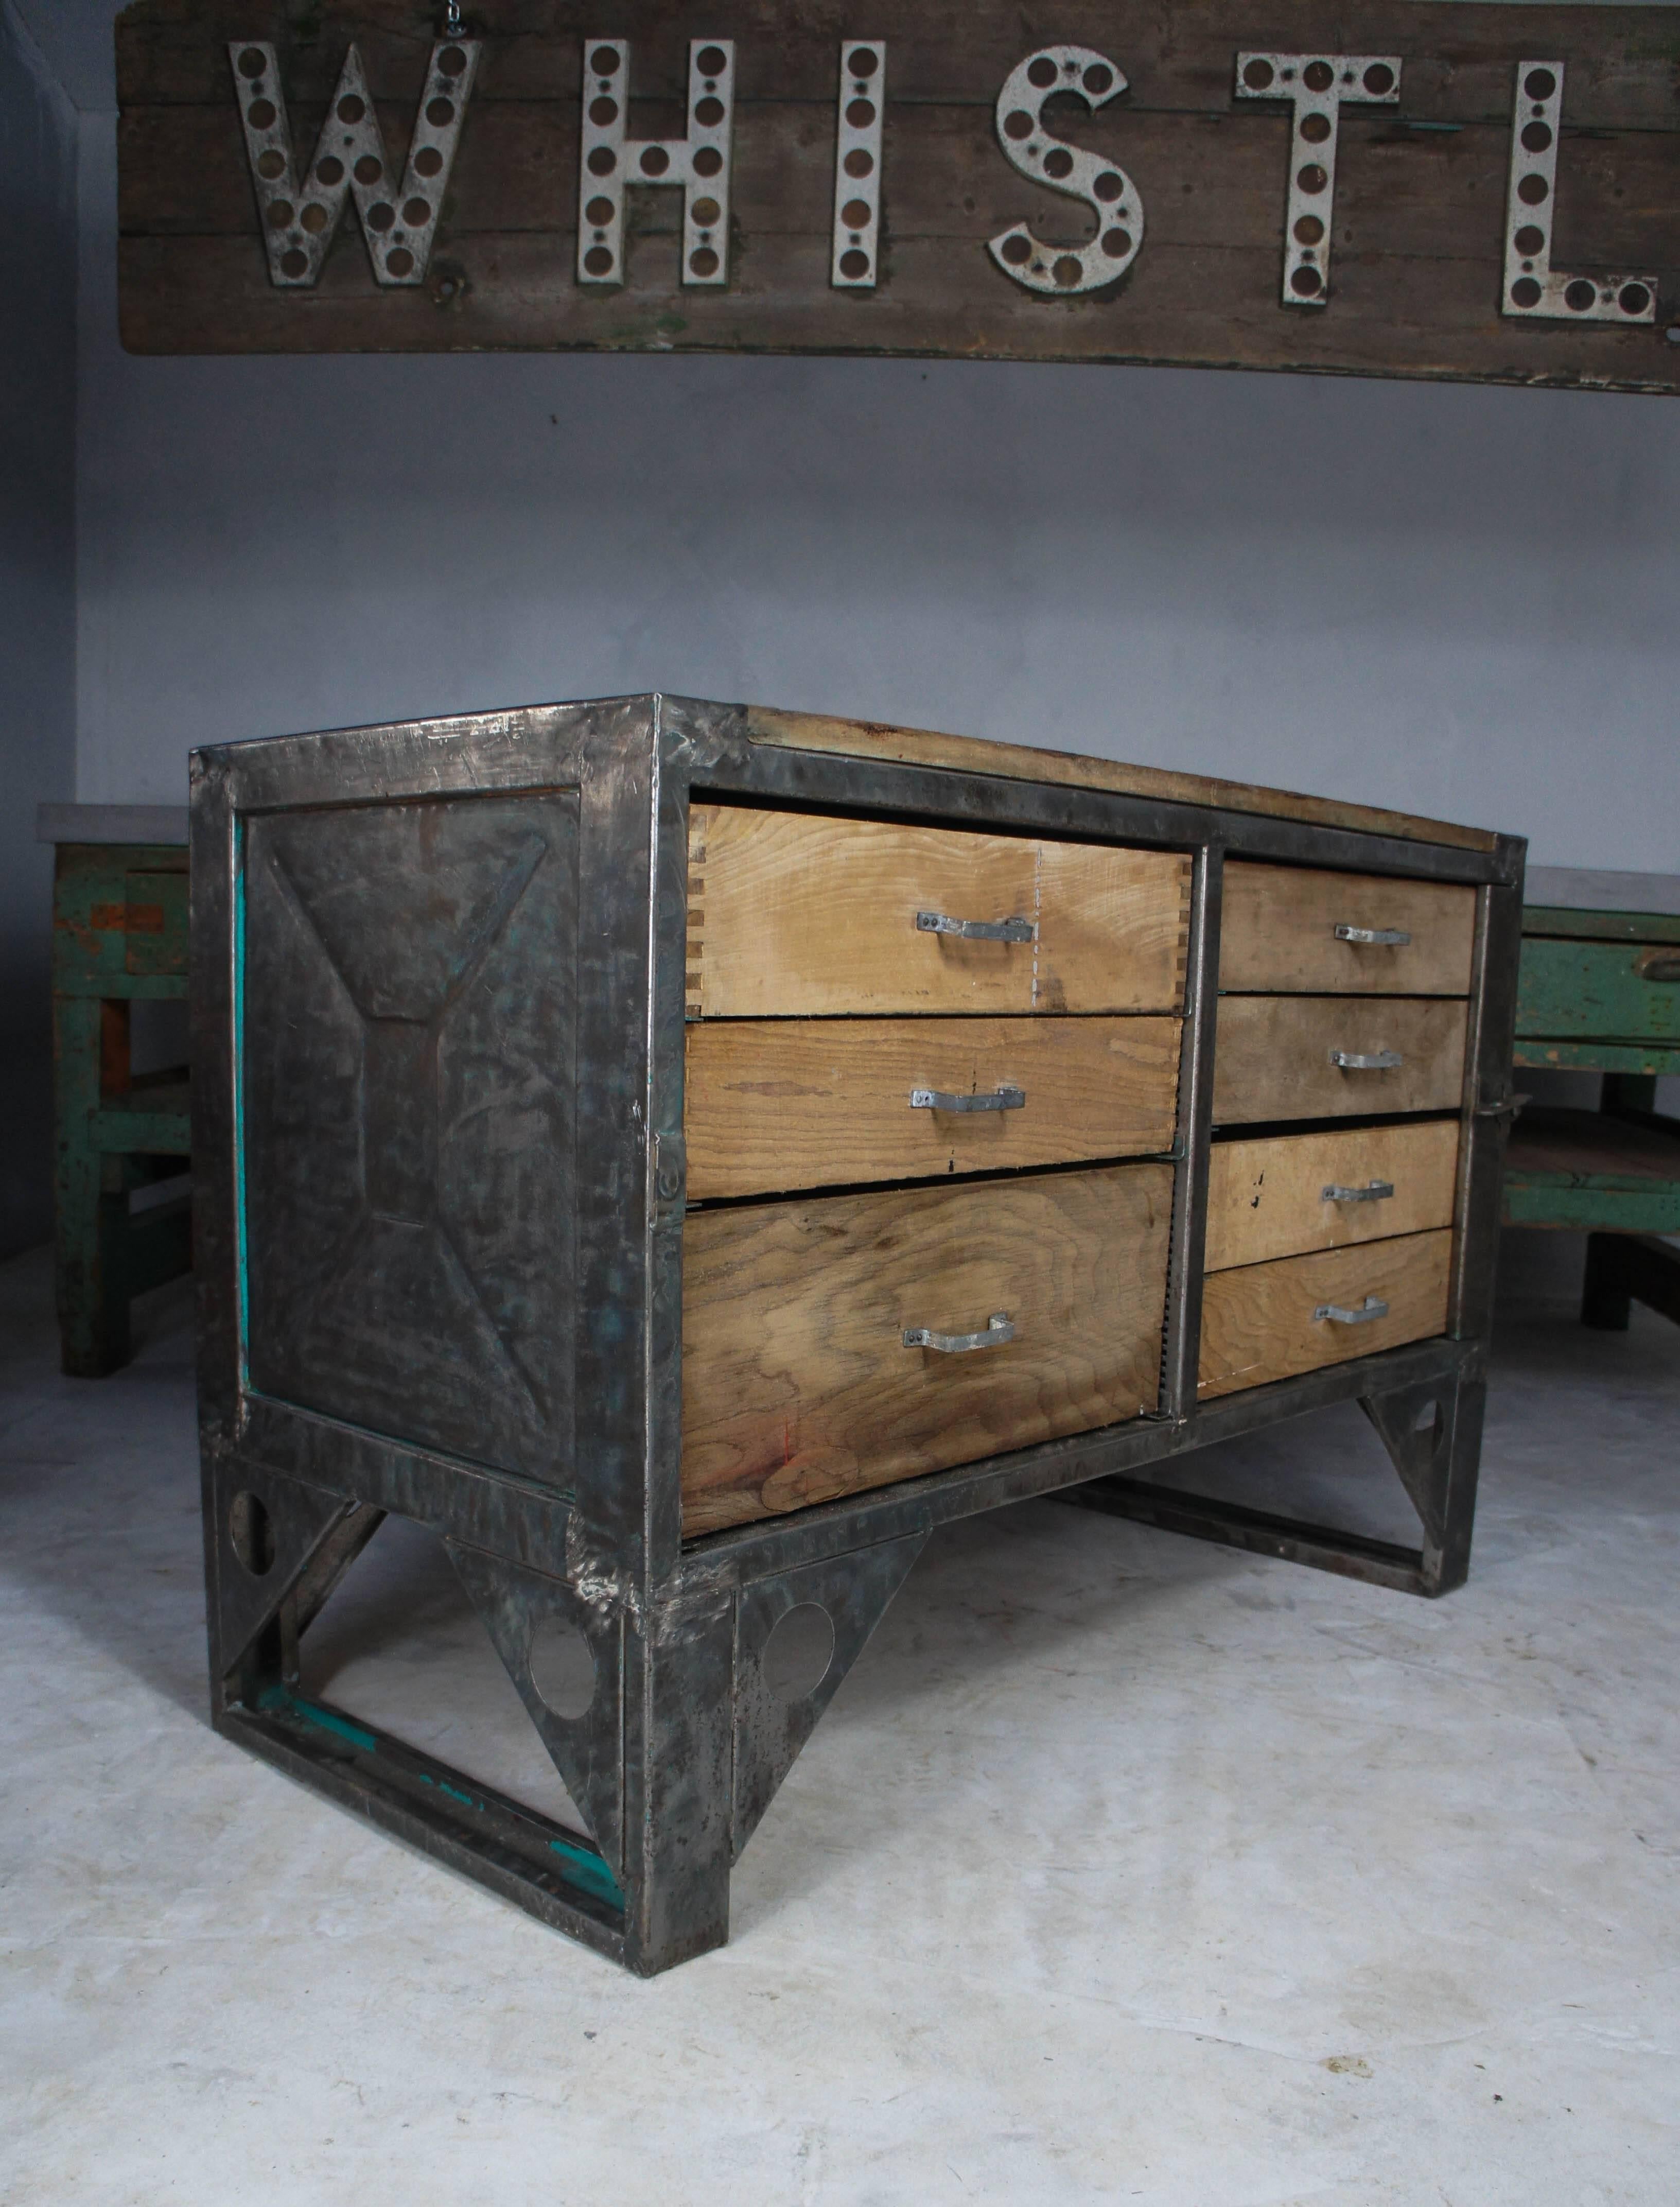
<point>1106,189</point>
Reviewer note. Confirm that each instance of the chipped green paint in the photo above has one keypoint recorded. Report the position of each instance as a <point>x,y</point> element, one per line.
<point>1605,990</point>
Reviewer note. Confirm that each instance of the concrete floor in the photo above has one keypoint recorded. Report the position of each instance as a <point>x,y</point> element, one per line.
<point>1123,1868</point>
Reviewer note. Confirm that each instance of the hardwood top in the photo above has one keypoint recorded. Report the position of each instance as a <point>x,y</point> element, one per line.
<point>817,732</point>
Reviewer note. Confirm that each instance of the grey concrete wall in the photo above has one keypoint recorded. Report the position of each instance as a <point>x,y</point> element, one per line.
<point>38,365</point>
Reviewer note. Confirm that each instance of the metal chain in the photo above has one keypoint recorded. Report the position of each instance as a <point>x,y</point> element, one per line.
<point>451,21</point>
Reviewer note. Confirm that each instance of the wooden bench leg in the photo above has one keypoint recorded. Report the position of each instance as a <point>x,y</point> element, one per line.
<point>1605,1302</point>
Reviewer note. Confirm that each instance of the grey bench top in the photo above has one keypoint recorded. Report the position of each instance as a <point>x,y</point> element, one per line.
<point>1583,890</point>
<point>111,823</point>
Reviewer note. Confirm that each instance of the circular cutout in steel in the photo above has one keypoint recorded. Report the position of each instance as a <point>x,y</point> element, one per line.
<point>1098,79</point>
<point>798,1652</point>
<point>399,260</point>
<point>1116,243</point>
<point>655,160</point>
<point>861,63</point>
<point>1539,84</point>
<point>1317,76</point>
<point>860,113</point>
<point>603,60</point>
<point>712,60</point>
<point>602,161</point>
<point>603,112</point>
<point>1258,75</point>
<point>1018,124</point>
<point>1041,72</point>
<point>1309,231</point>
<point>1312,178</point>
<point>251,1529</point>
<point>281,214</point>
<point>1058,162</point>
<point>252,64</point>
<point>597,261</point>
<point>704,262</point>
<point>1633,298</point>
<point>705,213</point>
<point>427,162</point>
<point>855,213</point>
<point>1524,292</point>
<point>294,263</point>
<point>261,115</point>
<point>598,214</point>
<point>1017,250</point>
<point>368,171</point>
<point>854,264</point>
<point>707,161</point>
<point>1068,271</point>
<point>858,163</point>
<point>272,166</point>
<point>452,62</point>
<point>1579,295</point>
<point>417,213</point>
<point>1307,282</point>
<point>1109,188</point>
<point>709,112</point>
<point>441,113</point>
<point>1378,79</point>
<point>563,1668</point>
<point>1530,239</point>
<point>1536,137</point>
<point>1315,128</point>
<point>350,109</point>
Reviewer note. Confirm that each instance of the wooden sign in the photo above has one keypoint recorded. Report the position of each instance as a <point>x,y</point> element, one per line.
<point>1478,192</point>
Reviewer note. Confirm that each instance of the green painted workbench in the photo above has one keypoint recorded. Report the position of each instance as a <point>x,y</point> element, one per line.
<point>1599,992</point>
<point>119,937</point>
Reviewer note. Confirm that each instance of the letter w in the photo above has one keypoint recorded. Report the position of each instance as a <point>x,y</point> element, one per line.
<point>299,220</point>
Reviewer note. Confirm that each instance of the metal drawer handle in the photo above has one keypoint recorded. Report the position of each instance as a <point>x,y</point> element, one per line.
<point>1374,1191</point>
<point>940,1099</point>
<point>1373,1061</point>
<point>1372,1306</point>
<point>975,931</point>
<point>1396,937</point>
<point>1658,966</point>
<point>1000,1328</point>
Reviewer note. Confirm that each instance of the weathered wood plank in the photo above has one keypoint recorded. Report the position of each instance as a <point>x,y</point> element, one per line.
<point>1278,932</point>
<point>790,1103</point>
<point>1266,1198</point>
<point>1258,1322</point>
<point>1416,276</point>
<point>798,1385</point>
<point>1272,1056</point>
<point>818,731</point>
<point>1588,989</point>
<point>794,915</point>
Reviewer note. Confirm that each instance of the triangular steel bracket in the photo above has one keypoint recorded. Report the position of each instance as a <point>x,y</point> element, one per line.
<point>771,1723</point>
<point>267,1529</point>
<point>586,1749</point>
<point>1415,1425</point>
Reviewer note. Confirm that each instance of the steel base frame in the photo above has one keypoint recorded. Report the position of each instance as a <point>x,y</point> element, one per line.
<point>691,1716</point>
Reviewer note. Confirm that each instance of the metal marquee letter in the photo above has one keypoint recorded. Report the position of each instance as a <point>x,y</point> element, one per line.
<point>299,219</point>
<point>1315,86</point>
<point>1103,186</point>
<point>699,163</point>
<point>856,252</point>
<point>1534,290</point>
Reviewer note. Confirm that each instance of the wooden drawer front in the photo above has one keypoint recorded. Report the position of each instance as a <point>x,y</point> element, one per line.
<point>1601,991</point>
<point>1266,1198</point>
<point>787,1103</point>
<point>1272,1058</point>
<point>790,915</point>
<point>1259,1322</point>
<point>797,1383</point>
<point>1278,932</point>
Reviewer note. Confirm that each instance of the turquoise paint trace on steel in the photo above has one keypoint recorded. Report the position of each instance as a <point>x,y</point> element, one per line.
<point>589,1871</point>
<point>280,1700</point>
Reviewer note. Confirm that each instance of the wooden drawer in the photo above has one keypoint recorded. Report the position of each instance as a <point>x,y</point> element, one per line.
<point>787,1103</point>
<point>1259,1322</point>
<point>1266,1198</point>
<point>791,915</point>
<point>798,1385</point>
<point>1599,991</point>
<point>1273,1056</point>
<point>1278,932</point>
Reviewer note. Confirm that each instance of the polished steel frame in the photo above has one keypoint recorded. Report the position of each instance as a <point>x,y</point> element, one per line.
<point>683,1746</point>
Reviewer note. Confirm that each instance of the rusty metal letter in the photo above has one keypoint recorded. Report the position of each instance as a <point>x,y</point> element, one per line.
<point>699,163</point>
<point>1315,86</point>
<point>1103,186</point>
<point>299,218</point>
<point>1534,290</point>
<point>855,255</point>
